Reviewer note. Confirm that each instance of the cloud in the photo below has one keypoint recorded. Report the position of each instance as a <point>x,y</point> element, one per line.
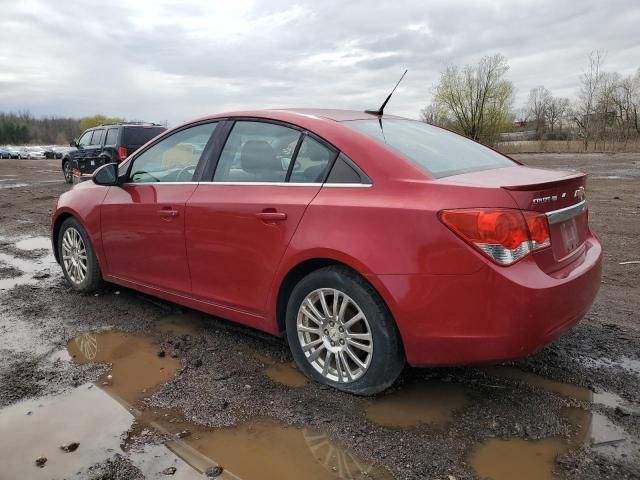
<point>175,60</point>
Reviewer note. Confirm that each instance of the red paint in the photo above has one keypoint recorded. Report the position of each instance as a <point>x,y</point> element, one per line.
<point>225,249</point>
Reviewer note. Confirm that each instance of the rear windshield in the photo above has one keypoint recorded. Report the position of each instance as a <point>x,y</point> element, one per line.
<point>439,152</point>
<point>139,135</point>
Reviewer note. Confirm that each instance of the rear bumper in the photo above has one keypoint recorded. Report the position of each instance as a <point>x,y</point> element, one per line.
<point>494,314</point>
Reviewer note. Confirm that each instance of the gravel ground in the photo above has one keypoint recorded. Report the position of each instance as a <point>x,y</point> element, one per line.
<point>222,379</point>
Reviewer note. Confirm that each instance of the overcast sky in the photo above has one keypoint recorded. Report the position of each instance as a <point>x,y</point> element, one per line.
<point>163,60</point>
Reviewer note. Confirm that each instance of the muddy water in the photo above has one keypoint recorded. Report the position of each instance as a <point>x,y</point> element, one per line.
<point>286,374</point>
<point>506,459</point>
<point>86,415</point>
<point>432,403</point>
<point>266,449</point>
<point>517,459</point>
<point>27,271</point>
<point>278,450</point>
<point>136,367</point>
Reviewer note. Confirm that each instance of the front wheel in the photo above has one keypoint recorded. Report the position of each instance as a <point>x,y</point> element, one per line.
<point>342,334</point>
<point>77,257</point>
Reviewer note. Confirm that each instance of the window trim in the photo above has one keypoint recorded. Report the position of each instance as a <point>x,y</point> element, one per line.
<point>197,174</point>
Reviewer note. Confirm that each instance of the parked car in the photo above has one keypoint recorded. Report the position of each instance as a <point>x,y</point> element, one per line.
<point>49,152</point>
<point>4,153</point>
<point>104,144</point>
<point>34,153</point>
<point>367,240</point>
<point>14,152</point>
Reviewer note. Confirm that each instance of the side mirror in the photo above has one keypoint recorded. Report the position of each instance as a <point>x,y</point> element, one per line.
<point>106,175</point>
<point>74,143</point>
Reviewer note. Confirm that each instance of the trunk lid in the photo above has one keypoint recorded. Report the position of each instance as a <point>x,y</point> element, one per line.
<point>559,194</point>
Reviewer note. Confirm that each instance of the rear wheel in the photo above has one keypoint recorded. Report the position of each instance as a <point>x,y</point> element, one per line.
<point>341,333</point>
<point>77,257</point>
<point>66,170</point>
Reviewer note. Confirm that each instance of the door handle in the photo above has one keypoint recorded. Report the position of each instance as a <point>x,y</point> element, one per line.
<point>272,216</point>
<point>168,212</point>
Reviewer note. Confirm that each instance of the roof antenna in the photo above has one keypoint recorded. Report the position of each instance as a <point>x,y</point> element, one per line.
<point>380,111</point>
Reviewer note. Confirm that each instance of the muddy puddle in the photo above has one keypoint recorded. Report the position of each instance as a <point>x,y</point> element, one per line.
<point>109,416</point>
<point>106,418</point>
<point>16,270</point>
<point>432,403</point>
<point>283,373</point>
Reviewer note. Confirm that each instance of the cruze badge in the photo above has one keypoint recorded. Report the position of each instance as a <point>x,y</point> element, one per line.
<point>580,194</point>
<point>541,200</point>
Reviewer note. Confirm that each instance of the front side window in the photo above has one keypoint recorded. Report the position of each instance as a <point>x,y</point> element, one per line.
<point>97,137</point>
<point>439,152</point>
<point>257,152</point>
<point>85,139</point>
<point>312,161</point>
<point>174,159</point>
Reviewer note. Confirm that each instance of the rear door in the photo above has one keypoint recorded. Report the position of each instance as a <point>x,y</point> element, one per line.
<point>143,220</point>
<point>239,224</point>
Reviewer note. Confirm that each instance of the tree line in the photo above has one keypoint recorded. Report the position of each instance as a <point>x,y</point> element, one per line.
<point>23,128</point>
<point>477,101</point>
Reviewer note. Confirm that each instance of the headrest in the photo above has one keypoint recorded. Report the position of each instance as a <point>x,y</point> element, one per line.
<point>257,156</point>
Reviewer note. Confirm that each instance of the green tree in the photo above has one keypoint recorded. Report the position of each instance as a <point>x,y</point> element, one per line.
<point>475,100</point>
<point>95,120</point>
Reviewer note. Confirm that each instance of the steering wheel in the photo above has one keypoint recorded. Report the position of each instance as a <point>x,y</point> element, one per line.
<point>191,169</point>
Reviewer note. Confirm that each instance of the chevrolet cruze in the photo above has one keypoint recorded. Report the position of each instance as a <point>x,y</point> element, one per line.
<point>368,241</point>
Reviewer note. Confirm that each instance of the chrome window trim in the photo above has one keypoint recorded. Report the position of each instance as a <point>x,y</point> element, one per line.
<point>567,213</point>
<point>259,184</point>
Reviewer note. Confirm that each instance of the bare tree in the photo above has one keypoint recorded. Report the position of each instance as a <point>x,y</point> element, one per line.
<point>556,109</point>
<point>476,100</point>
<point>539,100</point>
<point>585,108</point>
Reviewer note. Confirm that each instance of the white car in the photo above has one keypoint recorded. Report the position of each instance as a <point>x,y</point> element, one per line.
<point>34,153</point>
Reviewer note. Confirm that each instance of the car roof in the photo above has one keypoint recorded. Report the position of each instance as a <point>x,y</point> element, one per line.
<point>294,115</point>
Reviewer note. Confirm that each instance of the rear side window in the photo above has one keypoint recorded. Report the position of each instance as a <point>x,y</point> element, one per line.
<point>136,136</point>
<point>343,172</point>
<point>97,137</point>
<point>439,152</point>
<point>112,136</point>
<point>311,162</point>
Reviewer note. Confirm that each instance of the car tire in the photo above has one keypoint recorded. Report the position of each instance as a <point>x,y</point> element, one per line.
<point>337,327</point>
<point>67,171</point>
<point>77,257</point>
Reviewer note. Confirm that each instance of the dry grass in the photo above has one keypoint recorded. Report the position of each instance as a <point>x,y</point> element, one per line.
<point>564,146</point>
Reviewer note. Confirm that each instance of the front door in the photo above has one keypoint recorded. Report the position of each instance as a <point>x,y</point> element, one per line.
<point>143,220</point>
<point>238,227</point>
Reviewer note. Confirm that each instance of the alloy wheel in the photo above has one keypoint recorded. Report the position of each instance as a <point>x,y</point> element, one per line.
<point>74,255</point>
<point>335,335</point>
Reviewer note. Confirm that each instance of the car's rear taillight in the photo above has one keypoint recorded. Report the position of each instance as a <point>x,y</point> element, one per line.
<point>122,153</point>
<point>503,235</point>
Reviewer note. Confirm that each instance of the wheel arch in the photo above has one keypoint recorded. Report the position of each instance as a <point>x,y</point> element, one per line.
<point>304,267</point>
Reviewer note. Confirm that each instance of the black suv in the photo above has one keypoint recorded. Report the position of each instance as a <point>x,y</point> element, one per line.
<point>106,144</point>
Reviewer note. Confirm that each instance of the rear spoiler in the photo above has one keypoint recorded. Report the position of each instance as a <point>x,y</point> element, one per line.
<point>543,185</point>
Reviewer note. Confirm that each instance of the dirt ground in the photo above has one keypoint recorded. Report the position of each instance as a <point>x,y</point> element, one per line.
<point>152,390</point>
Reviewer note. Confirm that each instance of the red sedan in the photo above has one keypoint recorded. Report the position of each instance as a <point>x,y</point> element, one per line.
<point>369,241</point>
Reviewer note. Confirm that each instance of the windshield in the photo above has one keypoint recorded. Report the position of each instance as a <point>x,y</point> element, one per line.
<point>439,152</point>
